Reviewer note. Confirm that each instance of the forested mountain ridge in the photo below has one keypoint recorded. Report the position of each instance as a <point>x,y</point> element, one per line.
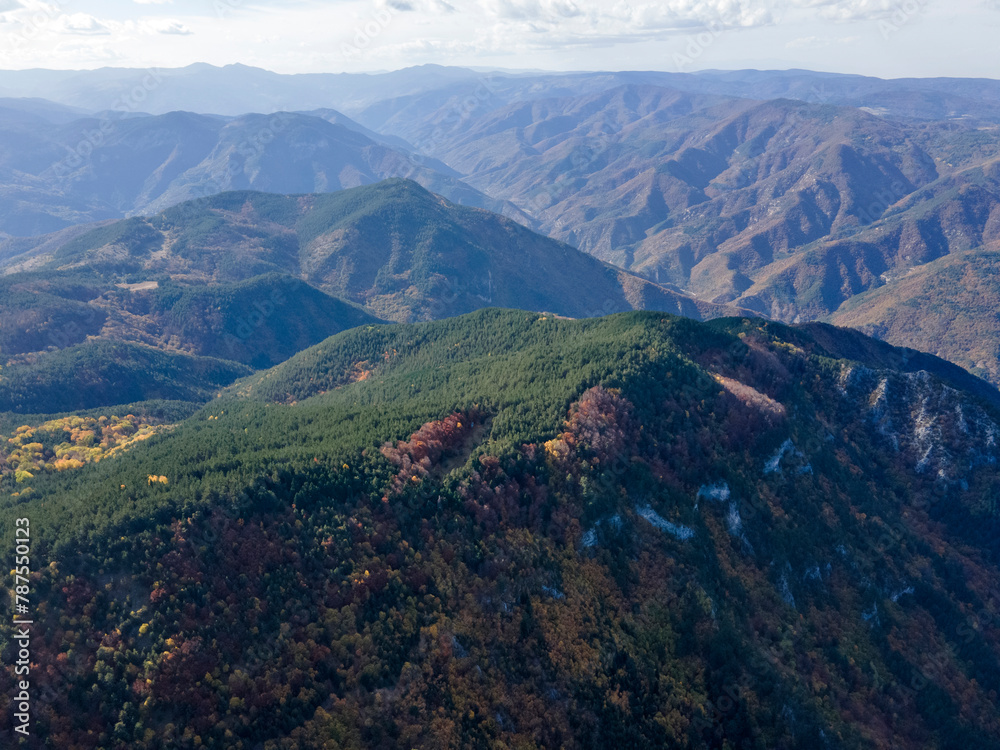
<point>395,248</point>
<point>253,278</point>
<point>512,530</point>
<point>84,337</point>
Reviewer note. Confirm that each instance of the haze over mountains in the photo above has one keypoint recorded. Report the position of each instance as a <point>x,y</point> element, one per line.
<point>54,174</point>
<point>238,89</point>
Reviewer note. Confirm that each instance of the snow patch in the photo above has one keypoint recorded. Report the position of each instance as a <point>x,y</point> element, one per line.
<point>718,491</point>
<point>734,524</point>
<point>786,591</point>
<point>589,539</point>
<point>677,530</point>
<point>553,592</point>
<point>787,449</point>
<point>895,597</point>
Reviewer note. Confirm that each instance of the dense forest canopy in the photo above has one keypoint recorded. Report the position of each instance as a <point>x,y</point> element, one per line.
<point>510,530</point>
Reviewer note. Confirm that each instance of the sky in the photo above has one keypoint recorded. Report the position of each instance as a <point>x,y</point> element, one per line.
<point>886,38</point>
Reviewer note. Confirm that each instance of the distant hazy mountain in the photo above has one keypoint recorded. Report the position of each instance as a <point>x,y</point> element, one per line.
<point>230,90</point>
<point>379,99</point>
<point>56,174</point>
<point>32,111</point>
<point>659,180</point>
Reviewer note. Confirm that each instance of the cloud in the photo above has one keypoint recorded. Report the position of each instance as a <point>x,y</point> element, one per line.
<point>535,10</point>
<point>80,23</point>
<point>613,19</point>
<point>616,17</point>
<point>166,26</point>
<point>418,6</point>
<point>858,10</point>
<point>305,35</point>
<point>681,15</point>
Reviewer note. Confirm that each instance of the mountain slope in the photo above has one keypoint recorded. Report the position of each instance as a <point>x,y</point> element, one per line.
<point>952,215</point>
<point>82,339</point>
<point>947,307</point>
<point>253,278</point>
<point>101,373</point>
<point>400,251</point>
<point>788,207</point>
<point>689,176</point>
<point>259,321</point>
<point>636,531</point>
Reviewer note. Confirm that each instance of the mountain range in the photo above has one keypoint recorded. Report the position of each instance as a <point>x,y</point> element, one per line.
<point>788,208</point>
<point>373,98</point>
<point>797,195</point>
<point>450,409</point>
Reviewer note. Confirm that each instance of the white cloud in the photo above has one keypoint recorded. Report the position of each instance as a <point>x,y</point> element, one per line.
<point>418,6</point>
<point>665,16</point>
<point>80,23</point>
<point>859,10</point>
<point>536,10</point>
<point>165,26</point>
<point>310,35</point>
<point>613,17</point>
